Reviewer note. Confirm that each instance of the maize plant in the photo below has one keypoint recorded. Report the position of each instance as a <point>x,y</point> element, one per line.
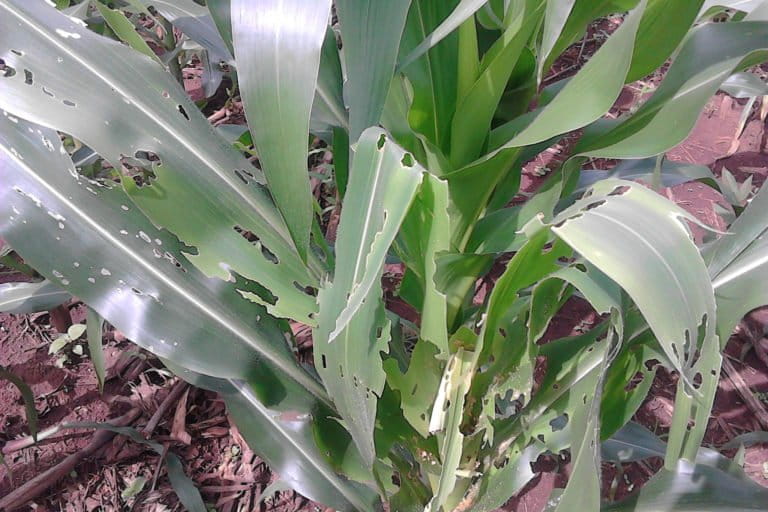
<point>116,188</point>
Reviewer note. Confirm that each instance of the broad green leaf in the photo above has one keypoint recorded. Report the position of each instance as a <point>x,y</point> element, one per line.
<point>120,103</point>
<point>646,253</point>
<point>456,277</point>
<point>276,418</point>
<point>79,11</point>
<point>462,12</point>
<point>683,316</point>
<point>384,182</point>
<point>664,25</point>
<point>593,90</point>
<point>433,76</point>
<point>328,111</point>
<point>27,298</point>
<point>370,34</point>
<point>352,329</point>
<point>739,5</point>
<point>447,416</point>
<point>620,401</point>
<point>26,395</point>
<point>418,386</point>
<point>573,370</point>
<point>500,484</point>
<point>125,30</point>
<point>501,231</point>
<point>599,290</point>
<point>738,263</point>
<point>284,439</point>
<point>530,264</point>
<point>747,439</point>
<point>671,173</point>
<point>554,21</point>
<point>95,325</point>
<point>710,54</point>
<point>195,21</point>
<point>694,487</point>
<point>471,188</point>
<point>425,233</point>
<point>475,110</point>
<point>277,49</point>
<point>583,489</point>
<point>139,280</point>
<point>632,443</point>
<point>582,14</point>
<point>744,85</point>
<point>221,13</point>
<point>713,483</point>
<point>738,287</point>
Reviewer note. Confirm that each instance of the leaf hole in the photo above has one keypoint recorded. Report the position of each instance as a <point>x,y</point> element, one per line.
<point>324,362</point>
<point>382,140</point>
<point>49,93</point>
<point>634,381</point>
<point>28,77</point>
<point>623,189</point>
<point>183,112</point>
<point>69,103</point>
<point>697,380</point>
<point>559,423</point>
<point>572,217</point>
<point>7,71</point>
<point>407,160</point>
<point>269,255</point>
<point>242,177</point>
<point>312,292</point>
<point>17,52</point>
<point>594,205</point>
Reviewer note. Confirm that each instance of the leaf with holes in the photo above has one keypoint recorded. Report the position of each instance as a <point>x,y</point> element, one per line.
<point>352,328</point>
<point>123,104</point>
<point>139,280</point>
<point>636,252</point>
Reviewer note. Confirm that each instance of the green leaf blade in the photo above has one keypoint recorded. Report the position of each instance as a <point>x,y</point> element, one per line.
<point>277,49</point>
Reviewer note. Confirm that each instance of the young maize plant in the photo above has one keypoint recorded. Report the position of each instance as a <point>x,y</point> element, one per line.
<point>116,188</point>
